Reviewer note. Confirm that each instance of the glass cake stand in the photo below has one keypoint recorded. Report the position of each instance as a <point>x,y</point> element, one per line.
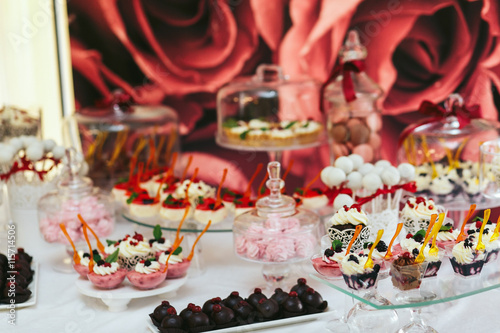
<point>446,287</point>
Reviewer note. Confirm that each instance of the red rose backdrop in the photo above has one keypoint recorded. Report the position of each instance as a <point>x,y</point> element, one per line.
<point>180,52</point>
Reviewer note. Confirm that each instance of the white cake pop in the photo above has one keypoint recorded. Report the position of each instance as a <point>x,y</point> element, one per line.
<point>325,175</point>
<point>6,153</point>
<point>342,200</point>
<point>383,163</point>
<point>344,163</point>
<point>407,171</point>
<point>391,176</point>
<point>17,143</point>
<point>365,168</point>
<point>355,180</point>
<point>48,145</point>
<point>336,176</point>
<point>58,152</point>
<point>379,170</point>
<point>28,140</point>
<point>372,182</point>
<point>357,161</point>
<point>34,152</point>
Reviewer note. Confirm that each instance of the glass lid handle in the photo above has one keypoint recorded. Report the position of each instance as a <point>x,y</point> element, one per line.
<point>454,100</point>
<point>352,48</point>
<point>275,183</point>
<point>270,73</point>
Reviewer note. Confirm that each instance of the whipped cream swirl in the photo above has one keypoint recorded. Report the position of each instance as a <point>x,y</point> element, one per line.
<point>350,216</point>
<point>103,270</point>
<point>143,269</point>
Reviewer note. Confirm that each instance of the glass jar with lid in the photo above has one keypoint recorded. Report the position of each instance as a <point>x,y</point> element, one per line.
<point>270,111</point>
<point>75,195</point>
<point>445,151</point>
<point>111,135</point>
<point>276,233</point>
<point>350,100</point>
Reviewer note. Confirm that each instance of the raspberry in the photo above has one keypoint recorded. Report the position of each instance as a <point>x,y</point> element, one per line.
<point>301,281</point>
<point>171,311</point>
<point>478,224</point>
<point>166,303</point>
<point>257,291</point>
<point>408,236</point>
<point>293,294</point>
<point>406,255</point>
<point>218,308</point>
<point>235,294</point>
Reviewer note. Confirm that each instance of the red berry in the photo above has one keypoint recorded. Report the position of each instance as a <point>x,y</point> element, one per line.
<point>197,309</point>
<point>171,311</point>
<point>431,207</point>
<point>292,294</point>
<point>217,308</point>
<point>408,236</point>
<point>310,291</point>
<point>257,291</point>
<point>191,306</point>
<point>235,294</point>
<point>407,255</point>
<point>478,224</point>
<point>301,281</point>
<point>166,303</point>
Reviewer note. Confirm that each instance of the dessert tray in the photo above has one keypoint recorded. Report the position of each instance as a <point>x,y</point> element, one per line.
<point>189,225</point>
<point>259,326</point>
<point>33,286</point>
<point>118,299</point>
<point>446,287</point>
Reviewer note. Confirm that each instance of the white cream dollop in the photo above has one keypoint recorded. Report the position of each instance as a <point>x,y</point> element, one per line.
<point>103,270</point>
<point>174,258</point>
<point>465,255</point>
<point>128,250</point>
<point>350,216</point>
<point>143,269</point>
<point>419,211</point>
<point>351,267</point>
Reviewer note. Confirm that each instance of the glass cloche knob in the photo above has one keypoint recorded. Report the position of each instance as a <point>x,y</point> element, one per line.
<point>352,49</point>
<point>275,203</point>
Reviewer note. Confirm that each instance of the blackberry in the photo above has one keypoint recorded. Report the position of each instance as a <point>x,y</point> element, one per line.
<point>329,252</point>
<point>147,263</point>
<point>86,255</point>
<point>376,268</point>
<point>100,262</point>
<point>381,246</point>
<point>470,231</point>
<point>353,258</point>
<point>415,252</point>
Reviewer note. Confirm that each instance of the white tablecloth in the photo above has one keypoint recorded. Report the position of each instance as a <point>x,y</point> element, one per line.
<point>61,308</point>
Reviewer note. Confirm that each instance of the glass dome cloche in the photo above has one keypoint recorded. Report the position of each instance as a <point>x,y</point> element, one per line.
<point>269,112</point>
<point>444,149</point>
<point>117,130</point>
<point>276,233</point>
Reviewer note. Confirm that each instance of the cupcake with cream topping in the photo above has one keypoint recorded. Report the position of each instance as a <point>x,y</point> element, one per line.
<point>132,250</point>
<point>343,224</point>
<point>416,213</point>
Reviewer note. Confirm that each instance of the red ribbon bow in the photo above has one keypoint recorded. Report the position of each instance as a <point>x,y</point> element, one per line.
<point>356,66</point>
<point>464,115</point>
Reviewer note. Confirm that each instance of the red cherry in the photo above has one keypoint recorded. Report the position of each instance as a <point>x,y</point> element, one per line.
<point>166,303</point>
<point>235,294</point>
<point>408,236</point>
<point>478,224</point>
<point>197,309</point>
<point>191,306</point>
<point>171,311</point>
<point>310,291</point>
<point>431,207</point>
<point>257,291</point>
<point>301,281</point>
<point>292,294</point>
<point>217,308</point>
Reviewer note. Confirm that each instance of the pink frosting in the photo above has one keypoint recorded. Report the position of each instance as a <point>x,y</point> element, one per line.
<point>93,212</point>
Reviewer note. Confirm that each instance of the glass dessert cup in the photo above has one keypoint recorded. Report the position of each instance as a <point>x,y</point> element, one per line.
<point>408,278</point>
<point>433,265</point>
<point>330,271</point>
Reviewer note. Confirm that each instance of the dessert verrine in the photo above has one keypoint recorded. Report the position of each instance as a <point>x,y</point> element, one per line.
<point>356,275</point>
<point>147,274</point>
<point>465,260</point>
<point>328,263</point>
<point>406,273</point>
<point>344,222</point>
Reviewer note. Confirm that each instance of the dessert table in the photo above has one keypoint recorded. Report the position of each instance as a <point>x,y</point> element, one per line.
<point>61,308</point>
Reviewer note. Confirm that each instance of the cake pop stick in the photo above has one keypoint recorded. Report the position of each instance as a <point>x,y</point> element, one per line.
<point>480,245</point>
<point>91,261</point>
<point>99,244</point>
<point>461,236</point>
<point>433,251</point>
<point>170,254</point>
<point>191,254</point>
<point>357,231</point>
<point>219,199</point>
<point>188,164</point>
<point>496,232</point>
<point>388,254</point>
<point>369,261</point>
<point>76,257</point>
<point>420,258</point>
<point>248,190</point>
